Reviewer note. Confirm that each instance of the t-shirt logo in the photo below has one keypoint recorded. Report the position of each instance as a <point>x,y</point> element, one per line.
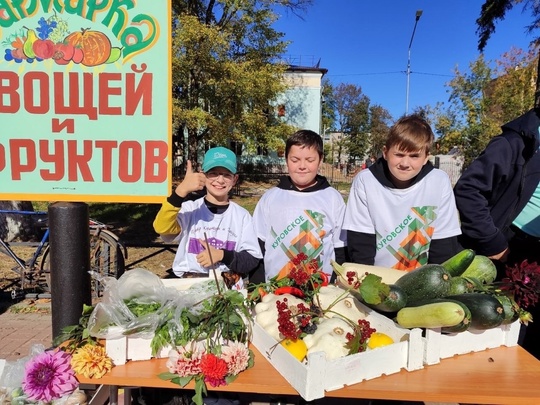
<point>410,240</point>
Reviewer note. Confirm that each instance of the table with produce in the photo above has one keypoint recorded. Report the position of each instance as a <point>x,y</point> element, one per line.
<point>440,333</point>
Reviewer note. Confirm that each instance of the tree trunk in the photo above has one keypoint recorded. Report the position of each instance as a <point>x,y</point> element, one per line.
<point>17,226</point>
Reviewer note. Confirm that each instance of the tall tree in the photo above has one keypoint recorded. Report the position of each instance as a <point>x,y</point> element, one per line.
<point>226,72</point>
<point>484,98</point>
<point>468,96</point>
<point>379,126</point>
<point>351,107</point>
<point>328,106</point>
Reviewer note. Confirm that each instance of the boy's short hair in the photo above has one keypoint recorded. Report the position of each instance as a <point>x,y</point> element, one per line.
<point>219,157</point>
<point>411,133</point>
<point>306,138</point>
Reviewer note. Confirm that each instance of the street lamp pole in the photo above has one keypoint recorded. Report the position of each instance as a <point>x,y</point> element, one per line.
<point>418,15</point>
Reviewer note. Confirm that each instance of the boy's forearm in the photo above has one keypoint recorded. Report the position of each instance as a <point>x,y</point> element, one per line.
<point>361,247</point>
<point>441,250</point>
<point>166,222</point>
<point>240,262</point>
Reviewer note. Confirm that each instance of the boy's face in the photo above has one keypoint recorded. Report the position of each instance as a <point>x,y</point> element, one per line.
<point>219,182</point>
<point>303,164</point>
<point>404,166</point>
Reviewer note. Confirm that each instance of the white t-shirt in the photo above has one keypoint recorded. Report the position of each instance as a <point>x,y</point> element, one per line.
<point>293,222</point>
<point>231,230</point>
<point>403,220</point>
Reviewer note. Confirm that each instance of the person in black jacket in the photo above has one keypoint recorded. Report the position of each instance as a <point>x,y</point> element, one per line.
<point>498,198</point>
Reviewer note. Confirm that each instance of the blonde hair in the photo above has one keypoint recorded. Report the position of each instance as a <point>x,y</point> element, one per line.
<point>410,133</point>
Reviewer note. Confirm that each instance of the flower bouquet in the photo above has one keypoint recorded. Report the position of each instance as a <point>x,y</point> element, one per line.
<point>210,340</point>
<point>44,377</point>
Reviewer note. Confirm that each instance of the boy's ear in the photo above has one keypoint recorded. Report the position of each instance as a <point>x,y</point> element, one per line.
<point>384,151</point>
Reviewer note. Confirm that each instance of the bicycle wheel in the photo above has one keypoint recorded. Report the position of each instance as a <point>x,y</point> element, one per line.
<point>106,257</point>
<point>44,279</point>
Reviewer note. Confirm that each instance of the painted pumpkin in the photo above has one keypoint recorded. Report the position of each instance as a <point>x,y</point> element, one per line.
<point>95,45</point>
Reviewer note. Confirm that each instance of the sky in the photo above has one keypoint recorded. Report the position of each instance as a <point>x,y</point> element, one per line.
<point>366,43</point>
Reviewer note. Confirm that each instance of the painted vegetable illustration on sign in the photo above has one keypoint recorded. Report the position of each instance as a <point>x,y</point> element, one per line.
<point>95,45</point>
<point>52,39</point>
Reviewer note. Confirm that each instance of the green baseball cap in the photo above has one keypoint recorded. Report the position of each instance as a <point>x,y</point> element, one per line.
<point>219,157</point>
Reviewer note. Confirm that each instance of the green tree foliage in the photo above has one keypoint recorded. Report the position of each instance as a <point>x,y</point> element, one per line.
<point>364,127</point>
<point>351,107</point>
<point>328,105</point>
<point>226,72</point>
<point>379,127</point>
<point>495,10</point>
<point>483,99</point>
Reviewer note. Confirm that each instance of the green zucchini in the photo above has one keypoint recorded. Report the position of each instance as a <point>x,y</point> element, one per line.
<point>464,324</point>
<point>431,315</point>
<point>481,269</point>
<point>395,300</point>
<point>424,283</point>
<point>458,263</point>
<point>511,309</point>
<point>486,310</point>
<point>460,285</point>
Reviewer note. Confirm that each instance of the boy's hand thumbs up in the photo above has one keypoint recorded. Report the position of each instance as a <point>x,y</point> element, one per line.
<point>188,167</point>
<point>193,181</point>
<point>203,258</point>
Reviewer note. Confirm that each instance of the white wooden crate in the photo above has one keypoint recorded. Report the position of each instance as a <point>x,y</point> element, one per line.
<point>440,346</point>
<point>312,378</point>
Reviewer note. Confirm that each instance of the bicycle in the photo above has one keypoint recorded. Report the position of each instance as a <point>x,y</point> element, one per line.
<point>107,257</point>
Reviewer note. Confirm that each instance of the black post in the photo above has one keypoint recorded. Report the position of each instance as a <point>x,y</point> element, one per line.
<point>70,263</point>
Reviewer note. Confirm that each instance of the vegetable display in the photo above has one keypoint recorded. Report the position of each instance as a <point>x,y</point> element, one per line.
<point>455,296</point>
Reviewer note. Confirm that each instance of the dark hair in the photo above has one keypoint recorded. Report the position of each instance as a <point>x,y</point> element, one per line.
<point>410,133</point>
<point>305,138</point>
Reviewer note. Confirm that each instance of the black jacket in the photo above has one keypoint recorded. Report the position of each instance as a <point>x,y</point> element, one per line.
<point>493,190</point>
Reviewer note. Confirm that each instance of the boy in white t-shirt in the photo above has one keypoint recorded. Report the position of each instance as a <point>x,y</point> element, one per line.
<point>298,223</point>
<point>232,244</point>
<point>401,212</point>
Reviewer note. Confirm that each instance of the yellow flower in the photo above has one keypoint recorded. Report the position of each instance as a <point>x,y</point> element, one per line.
<point>91,361</point>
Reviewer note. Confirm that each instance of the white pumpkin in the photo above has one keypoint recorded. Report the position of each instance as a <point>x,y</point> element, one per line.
<point>267,313</point>
<point>330,338</point>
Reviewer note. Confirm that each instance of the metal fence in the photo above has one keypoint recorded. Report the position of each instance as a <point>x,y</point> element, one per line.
<point>255,179</point>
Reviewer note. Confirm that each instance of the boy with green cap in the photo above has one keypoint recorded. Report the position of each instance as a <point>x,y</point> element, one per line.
<point>228,227</point>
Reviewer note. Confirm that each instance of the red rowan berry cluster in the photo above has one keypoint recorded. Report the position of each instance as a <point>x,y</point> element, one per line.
<point>352,279</point>
<point>299,276</point>
<point>357,342</point>
<point>294,320</point>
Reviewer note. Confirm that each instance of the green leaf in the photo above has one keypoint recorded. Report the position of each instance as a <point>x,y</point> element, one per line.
<point>167,376</point>
<point>230,378</point>
<point>373,290</point>
<point>183,381</point>
<point>200,390</point>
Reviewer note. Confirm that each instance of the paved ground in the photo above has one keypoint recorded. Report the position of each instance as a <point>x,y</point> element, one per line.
<point>20,330</point>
